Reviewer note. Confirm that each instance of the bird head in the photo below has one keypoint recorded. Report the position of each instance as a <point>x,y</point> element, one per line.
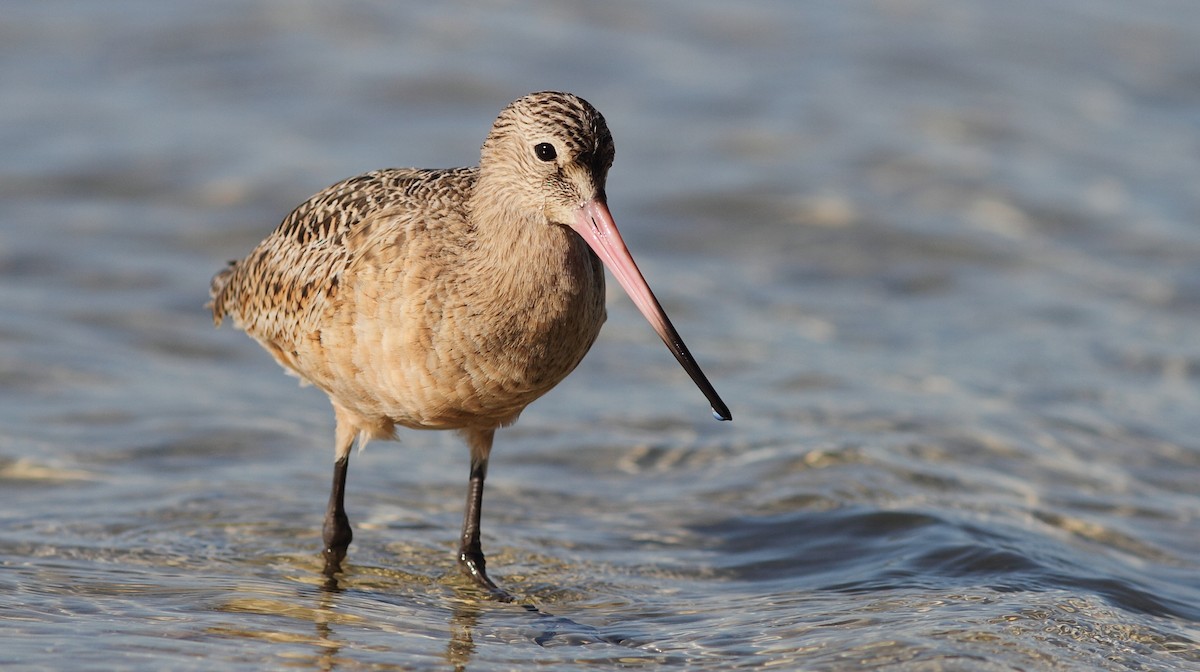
<point>550,152</point>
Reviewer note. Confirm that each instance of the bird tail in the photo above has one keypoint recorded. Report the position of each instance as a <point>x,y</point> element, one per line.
<point>218,292</point>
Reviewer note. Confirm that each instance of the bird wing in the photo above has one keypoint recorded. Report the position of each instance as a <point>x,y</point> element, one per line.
<point>285,287</point>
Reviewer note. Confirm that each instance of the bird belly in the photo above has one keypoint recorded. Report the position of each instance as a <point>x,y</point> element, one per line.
<point>422,360</point>
<point>486,377</point>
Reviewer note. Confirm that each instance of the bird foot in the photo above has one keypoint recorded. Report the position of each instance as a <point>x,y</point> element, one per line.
<point>337,536</point>
<point>333,568</point>
<point>474,567</point>
<point>333,560</point>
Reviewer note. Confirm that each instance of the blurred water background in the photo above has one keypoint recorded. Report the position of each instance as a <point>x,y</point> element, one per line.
<point>941,258</point>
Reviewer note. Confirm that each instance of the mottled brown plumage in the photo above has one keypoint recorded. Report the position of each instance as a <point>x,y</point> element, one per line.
<point>446,299</point>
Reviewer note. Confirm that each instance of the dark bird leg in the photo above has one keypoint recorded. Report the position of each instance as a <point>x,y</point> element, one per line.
<point>336,532</point>
<point>470,552</point>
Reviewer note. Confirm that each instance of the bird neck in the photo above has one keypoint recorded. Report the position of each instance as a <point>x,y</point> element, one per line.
<point>521,247</point>
<point>527,258</point>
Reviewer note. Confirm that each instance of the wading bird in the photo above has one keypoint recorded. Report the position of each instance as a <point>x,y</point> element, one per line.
<point>447,299</point>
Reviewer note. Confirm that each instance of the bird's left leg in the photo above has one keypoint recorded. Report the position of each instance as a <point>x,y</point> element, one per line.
<point>470,552</point>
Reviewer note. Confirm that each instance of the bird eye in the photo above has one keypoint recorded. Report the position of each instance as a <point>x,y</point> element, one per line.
<point>545,151</point>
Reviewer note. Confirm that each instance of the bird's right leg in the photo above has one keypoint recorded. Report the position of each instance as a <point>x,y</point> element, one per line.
<point>336,532</point>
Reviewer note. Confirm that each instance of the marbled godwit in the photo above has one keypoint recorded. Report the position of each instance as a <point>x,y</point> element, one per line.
<point>447,299</point>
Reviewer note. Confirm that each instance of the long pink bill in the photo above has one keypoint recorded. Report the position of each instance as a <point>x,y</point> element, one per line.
<point>595,224</point>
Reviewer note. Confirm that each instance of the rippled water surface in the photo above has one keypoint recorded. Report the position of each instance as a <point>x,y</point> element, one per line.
<point>941,258</point>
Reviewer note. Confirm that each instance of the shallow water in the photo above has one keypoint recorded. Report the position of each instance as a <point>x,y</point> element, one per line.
<point>940,258</point>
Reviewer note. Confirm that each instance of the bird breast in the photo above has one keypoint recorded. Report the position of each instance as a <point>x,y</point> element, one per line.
<point>456,331</point>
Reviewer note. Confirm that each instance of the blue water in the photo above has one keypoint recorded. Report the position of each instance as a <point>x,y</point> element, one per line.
<point>941,259</point>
